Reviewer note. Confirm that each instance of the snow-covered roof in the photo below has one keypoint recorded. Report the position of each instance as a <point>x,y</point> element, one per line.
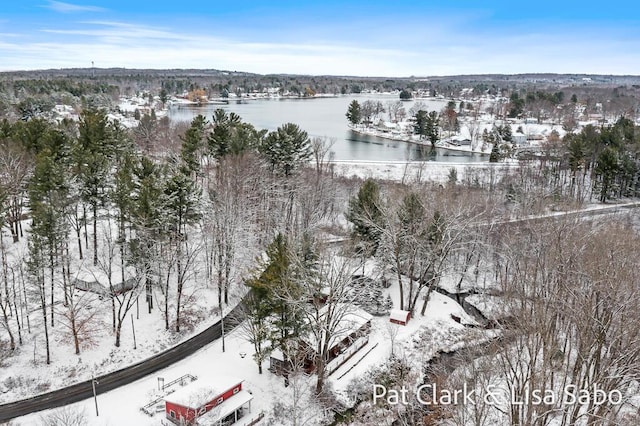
<point>277,354</point>
<point>221,411</point>
<point>398,315</point>
<point>196,395</point>
<point>351,318</point>
<point>355,318</point>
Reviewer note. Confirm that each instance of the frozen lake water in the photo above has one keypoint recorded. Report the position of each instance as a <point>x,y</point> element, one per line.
<point>325,116</point>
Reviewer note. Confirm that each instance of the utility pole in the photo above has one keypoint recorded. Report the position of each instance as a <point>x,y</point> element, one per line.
<point>133,327</point>
<point>222,321</point>
<point>95,398</point>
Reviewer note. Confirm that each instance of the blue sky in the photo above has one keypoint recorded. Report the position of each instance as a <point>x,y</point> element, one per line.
<point>365,38</point>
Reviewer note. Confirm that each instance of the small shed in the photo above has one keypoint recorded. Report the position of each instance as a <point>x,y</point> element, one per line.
<point>398,316</point>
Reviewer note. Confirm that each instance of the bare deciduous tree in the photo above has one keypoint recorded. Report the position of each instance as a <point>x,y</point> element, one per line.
<point>66,416</point>
<point>79,318</point>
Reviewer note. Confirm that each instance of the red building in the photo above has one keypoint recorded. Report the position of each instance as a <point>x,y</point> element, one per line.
<point>397,316</point>
<point>348,335</point>
<point>222,403</point>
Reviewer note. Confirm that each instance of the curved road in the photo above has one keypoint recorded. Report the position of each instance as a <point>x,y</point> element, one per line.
<point>110,381</point>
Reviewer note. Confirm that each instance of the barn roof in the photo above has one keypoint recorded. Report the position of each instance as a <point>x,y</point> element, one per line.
<point>195,395</point>
<point>348,319</point>
<point>221,411</point>
<point>398,315</point>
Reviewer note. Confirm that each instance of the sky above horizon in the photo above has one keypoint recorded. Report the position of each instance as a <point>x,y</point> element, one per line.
<point>358,38</point>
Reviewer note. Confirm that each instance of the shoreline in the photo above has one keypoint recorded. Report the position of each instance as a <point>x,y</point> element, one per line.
<point>409,139</point>
<point>226,101</point>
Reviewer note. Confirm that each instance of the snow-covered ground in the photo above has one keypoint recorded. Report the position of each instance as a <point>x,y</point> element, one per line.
<point>492,307</point>
<point>419,171</point>
<point>123,405</point>
<point>524,134</point>
<point>25,372</point>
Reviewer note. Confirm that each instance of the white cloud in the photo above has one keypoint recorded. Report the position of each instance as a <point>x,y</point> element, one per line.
<point>137,33</point>
<point>63,7</point>
<point>117,44</point>
<point>120,44</point>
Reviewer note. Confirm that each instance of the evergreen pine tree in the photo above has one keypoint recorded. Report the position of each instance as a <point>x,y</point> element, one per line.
<point>606,169</point>
<point>192,145</point>
<point>365,213</point>
<point>183,200</point>
<point>149,221</point>
<point>287,148</point>
<point>354,114</point>
<point>276,283</point>
<point>94,153</point>
<point>431,128</point>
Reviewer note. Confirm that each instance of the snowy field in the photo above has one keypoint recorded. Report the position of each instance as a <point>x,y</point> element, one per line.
<point>420,171</point>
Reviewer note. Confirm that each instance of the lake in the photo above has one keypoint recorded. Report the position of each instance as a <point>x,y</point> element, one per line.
<point>325,117</point>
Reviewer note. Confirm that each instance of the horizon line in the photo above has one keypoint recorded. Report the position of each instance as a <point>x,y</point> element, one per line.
<point>533,73</point>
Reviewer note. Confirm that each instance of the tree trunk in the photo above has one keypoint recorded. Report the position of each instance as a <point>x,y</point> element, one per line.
<point>20,223</point>
<point>74,331</point>
<point>166,299</point>
<point>401,286</point>
<point>52,283</point>
<point>24,301</point>
<point>66,275</point>
<point>179,239</point>
<point>95,235</point>
<point>78,228</point>
<point>220,276</point>
<point>227,275</point>
<point>18,311</point>
<point>147,282</point>
<point>148,294</point>
<point>113,312</point>
<point>118,329</point>
<point>43,302</point>
<point>5,317</point>
<point>426,300</point>
<point>64,285</point>
<point>179,297</point>
<point>122,239</point>
<point>86,231</point>
<point>5,271</point>
<point>320,369</point>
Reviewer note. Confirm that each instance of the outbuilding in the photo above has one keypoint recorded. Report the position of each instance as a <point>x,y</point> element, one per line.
<point>224,402</point>
<point>348,336</point>
<point>398,316</point>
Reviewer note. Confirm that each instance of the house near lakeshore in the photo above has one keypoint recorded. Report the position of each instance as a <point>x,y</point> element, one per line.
<point>519,138</point>
<point>222,403</point>
<point>349,336</point>
<point>460,140</point>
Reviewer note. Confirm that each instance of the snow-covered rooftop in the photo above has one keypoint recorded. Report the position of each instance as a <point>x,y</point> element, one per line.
<point>227,407</point>
<point>350,319</point>
<point>398,315</point>
<point>197,395</point>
